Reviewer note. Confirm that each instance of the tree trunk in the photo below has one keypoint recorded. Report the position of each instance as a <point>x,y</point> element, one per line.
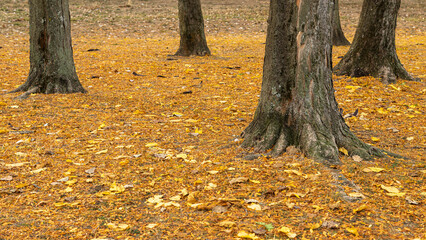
<point>338,36</point>
<point>373,52</point>
<point>191,28</point>
<point>52,68</point>
<point>297,104</point>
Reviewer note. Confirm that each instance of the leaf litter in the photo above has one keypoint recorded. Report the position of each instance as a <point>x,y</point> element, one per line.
<point>136,158</point>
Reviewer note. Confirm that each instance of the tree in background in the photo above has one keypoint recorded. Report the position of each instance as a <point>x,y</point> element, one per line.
<point>373,52</point>
<point>191,28</point>
<point>52,68</point>
<point>338,36</point>
<point>297,104</point>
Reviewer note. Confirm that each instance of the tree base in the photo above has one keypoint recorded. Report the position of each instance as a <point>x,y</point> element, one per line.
<point>319,143</point>
<point>48,86</point>
<point>387,69</point>
<point>198,51</point>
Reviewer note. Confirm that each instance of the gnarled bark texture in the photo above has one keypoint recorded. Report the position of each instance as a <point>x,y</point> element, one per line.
<point>52,68</point>
<point>297,104</point>
<point>373,52</point>
<point>191,28</point>
<point>338,36</point>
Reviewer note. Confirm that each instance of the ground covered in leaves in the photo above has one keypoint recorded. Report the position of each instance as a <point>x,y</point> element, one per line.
<point>151,151</point>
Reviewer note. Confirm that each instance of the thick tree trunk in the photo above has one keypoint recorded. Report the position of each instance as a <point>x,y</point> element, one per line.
<point>52,68</point>
<point>191,28</point>
<point>373,52</point>
<point>297,104</point>
<point>338,36</point>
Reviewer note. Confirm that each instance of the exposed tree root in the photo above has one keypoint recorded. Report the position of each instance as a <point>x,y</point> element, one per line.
<point>322,146</point>
<point>26,94</point>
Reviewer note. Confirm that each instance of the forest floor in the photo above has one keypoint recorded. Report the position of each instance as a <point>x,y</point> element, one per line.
<point>152,150</point>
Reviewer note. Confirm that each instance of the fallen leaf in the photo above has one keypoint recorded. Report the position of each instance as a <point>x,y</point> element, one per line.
<point>360,208</point>
<point>255,206</point>
<point>244,234</point>
<point>344,151</point>
<point>151,144</point>
<point>390,189</point>
<point>238,180</point>
<point>352,230</point>
<point>151,225</point>
<point>287,231</point>
<point>227,224</point>
<point>373,169</point>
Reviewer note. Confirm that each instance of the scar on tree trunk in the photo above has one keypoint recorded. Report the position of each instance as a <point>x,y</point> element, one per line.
<point>338,36</point>
<point>52,68</point>
<point>297,106</point>
<point>373,51</point>
<point>191,29</point>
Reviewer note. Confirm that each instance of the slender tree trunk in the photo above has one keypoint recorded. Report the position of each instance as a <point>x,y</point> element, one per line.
<point>297,104</point>
<point>338,36</point>
<point>191,27</point>
<point>52,68</point>
<point>373,52</point>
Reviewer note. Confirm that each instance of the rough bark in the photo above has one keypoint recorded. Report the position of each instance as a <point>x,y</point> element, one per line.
<point>191,29</point>
<point>373,52</point>
<point>297,104</point>
<point>338,36</point>
<point>52,68</point>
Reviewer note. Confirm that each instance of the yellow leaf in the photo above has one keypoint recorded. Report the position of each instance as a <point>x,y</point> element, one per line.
<point>175,198</point>
<point>152,225</point>
<point>360,208</point>
<point>138,112</point>
<point>198,131</point>
<point>68,189</point>
<point>151,144</point>
<point>122,227</point>
<point>227,224</point>
<point>182,156</point>
<point>396,88</point>
<point>12,165</point>
<point>213,172</point>
<point>22,185</point>
<point>352,88</point>
<point>70,182</point>
<point>382,111</point>
<point>293,171</point>
<point>210,186</point>
<point>356,195</point>
<point>375,139</point>
<point>60,204</point>
<point>101,126</point>
<point>398,194</point>
<point>3,130</point>
<point>390,189</point>
<point>244,234</point>
<point>154,200</point>
<point>254,181</point>
<point>116,188</point>
<point>287,231</point>
<point>255,206</point>
<point>177,114</point>
<point>111,225</point>
<point>102,152</point>
<point>343,150</point>
<point>373,169</point>
<point>314,226</point>
<point>191,120</point>
<point>38,170</point>
<point>352,230</point>
<point>124,162</point>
